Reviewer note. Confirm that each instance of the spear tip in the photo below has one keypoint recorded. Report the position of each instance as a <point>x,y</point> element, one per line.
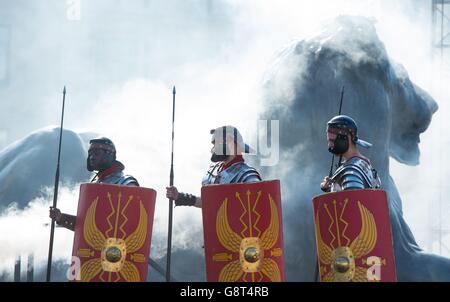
<point>64,90</point>
<point>174,90</point>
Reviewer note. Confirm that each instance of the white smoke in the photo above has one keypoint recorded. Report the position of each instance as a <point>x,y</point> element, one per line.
<point>27,232</point>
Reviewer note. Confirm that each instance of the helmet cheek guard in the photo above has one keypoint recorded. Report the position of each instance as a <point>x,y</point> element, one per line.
<point>340,145</point>
<point>107,160</point>
<point>88,164</point>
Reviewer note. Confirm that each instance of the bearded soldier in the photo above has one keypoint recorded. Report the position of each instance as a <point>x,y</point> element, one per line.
<point>101,158</point>
<point>356,172</point>
<point>228,165</point>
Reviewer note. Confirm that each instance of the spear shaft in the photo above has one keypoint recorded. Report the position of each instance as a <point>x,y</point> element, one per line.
<point>169,231</point>
<point>55,192</point>
<point>332,156</point>
<point>316,273</point>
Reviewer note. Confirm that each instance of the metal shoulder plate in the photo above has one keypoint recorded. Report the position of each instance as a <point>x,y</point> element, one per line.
<point>211,174</point>
<point>128,180</point>
<point>356,173</point>
<point>119,178</point>
<point>238,173</point>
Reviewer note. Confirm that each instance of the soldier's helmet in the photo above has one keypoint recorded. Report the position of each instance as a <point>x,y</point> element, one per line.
<point>103,143</point>
<point>345,125</point>
<point>230,132</point>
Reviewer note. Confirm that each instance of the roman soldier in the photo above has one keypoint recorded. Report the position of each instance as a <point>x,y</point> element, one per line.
<point>358,211</point>
<point>356,171</point>
<point>228,165</point>
<point>101,158</point>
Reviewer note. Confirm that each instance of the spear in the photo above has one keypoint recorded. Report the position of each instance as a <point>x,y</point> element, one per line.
<point>55,192</point>
<point>169,232</point>
<point>332,156</point>
<point>316,273</point>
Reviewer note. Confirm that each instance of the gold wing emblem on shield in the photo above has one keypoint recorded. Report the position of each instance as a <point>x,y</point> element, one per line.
<point>270,269</point>
<point>270,236</point>
<point>93,236</point>
<point>367,238</point>
<point>231,272</point>
<point>360,275</point>
<point>137,239</point>
<point>227,237</point>
<point>98,241</point>
<point>90,269</point>
<point>233,242</point>
<point>130,272</point>
<point>324,251</point>
<point>362,245</point>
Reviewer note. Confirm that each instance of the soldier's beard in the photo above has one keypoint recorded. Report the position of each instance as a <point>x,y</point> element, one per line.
<point>217,158</point>
<point>340,145</point>
<point>220,157</point>
<point>102,165</point>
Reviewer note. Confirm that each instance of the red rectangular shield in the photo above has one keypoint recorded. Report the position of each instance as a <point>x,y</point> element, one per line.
<point>113,232</point>
<point>243,232</point>
<point>353,236</point>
